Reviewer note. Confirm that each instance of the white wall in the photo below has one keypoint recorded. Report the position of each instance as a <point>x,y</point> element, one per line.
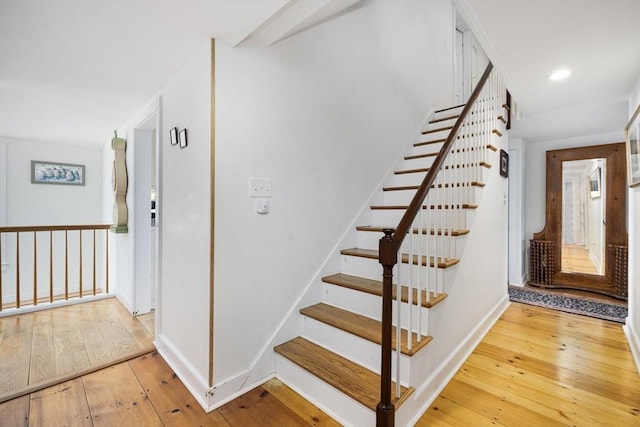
<point>632,327</point>
<point>184,221</point>
<point>324,114</point>
<point>38,204</point>
<point>517,243</point>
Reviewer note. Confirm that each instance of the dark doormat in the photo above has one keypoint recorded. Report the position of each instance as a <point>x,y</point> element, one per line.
<point>583,306</point>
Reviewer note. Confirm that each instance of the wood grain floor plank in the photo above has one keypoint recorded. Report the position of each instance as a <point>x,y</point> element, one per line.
<point>116,398</point>
<point>42,347</point>
<point>70,352</point>
<point>564,387</point>
<point>542,401</point>
<point>447,412</point>
<point>61,405</point>
<point>172,401</point>
<point>15,347</point>
<point>570,353</point>
<point>15,412</point>
<point>495,407</point>
<point>97,349</point>
<point>259,408</point>
<point>117,338</point>
<point>292,400</point>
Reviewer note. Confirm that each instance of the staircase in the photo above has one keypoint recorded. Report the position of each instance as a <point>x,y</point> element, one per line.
<point>336,360</point>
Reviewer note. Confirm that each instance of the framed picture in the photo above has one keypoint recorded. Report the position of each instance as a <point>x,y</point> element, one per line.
<point>173,136</point>
<point>56,173</point>
<point>183,138</point>
<point>504,164</point>
<point>632,132</point>
<point>594,183</point>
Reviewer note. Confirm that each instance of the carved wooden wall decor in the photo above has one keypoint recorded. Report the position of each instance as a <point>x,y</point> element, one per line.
<point>611,283</point>
<point>119,184</point>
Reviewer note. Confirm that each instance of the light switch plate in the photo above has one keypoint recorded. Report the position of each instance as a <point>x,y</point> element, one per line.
<point>260,187</point>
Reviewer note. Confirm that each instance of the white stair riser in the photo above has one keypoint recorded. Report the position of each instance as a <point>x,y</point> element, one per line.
<point>372,269</point>
<point>436,135</point>
<point>428,148</point>
<point>322,395</point>
<point>371,306</point>
<point>371,240</point>
<point>447,194</point>
<point>422,162</point>
<point>403,179</point>
<point>358,350</point>
<point>447,218</point>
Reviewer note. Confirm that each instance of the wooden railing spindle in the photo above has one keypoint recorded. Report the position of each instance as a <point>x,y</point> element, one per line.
<point>80,262</point>
<point>18,270</point>
<point>66,265</point>
<point>94,261</point>
<point>50,265</point>
<point>35,270</point>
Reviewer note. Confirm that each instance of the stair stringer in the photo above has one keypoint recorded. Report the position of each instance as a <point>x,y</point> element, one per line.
<point>264,365</point>
<point>477,297</point>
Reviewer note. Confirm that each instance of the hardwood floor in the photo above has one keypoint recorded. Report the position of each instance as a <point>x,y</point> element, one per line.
<point>43,347</point>
<point>536,367</point>
<point>145,392</point>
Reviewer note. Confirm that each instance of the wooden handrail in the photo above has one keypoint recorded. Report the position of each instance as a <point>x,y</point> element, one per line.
<point>388,257</point>
<point>53,228</point>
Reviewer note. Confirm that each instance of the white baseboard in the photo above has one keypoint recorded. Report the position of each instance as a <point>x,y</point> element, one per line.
<point>209,398</point>
<point>55,304</point>
<point>426,394</point>
<point>196,385</point>
<point>634,342</point>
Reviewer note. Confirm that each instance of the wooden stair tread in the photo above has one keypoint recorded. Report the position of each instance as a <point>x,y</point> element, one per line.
<point>433,141</point>
<point>425,170</point>
<point>447,185</point>
<point>432,231</point>
<point>441,129</point>
<point>362,326</point>
<point>421,156</point>
<point>373,254</point>
<point>449,108</point>
<point>398,207</point>
<point>420,170</point>
<point>355,381</point>
<point>374,287</point>
<point>445,118</point>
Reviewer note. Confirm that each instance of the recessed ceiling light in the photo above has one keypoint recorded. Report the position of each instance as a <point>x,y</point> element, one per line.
<point>560,74</point>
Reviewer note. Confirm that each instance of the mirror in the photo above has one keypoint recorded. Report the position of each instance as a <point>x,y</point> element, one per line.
<point>545,252</point>
<point>583,214</point>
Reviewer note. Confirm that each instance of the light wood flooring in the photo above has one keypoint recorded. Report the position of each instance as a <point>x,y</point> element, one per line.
<point>44,347</point>
<point>536,367</point>
<point>576,259</point>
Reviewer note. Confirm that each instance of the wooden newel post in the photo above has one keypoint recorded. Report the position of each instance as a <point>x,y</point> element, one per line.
<point>388,257</point>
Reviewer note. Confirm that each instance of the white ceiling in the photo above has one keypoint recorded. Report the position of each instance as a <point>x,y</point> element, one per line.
<point>598,40</point>
<point>74,71</point>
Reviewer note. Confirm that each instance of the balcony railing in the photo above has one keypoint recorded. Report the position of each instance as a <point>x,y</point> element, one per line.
<point>43,264</point>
